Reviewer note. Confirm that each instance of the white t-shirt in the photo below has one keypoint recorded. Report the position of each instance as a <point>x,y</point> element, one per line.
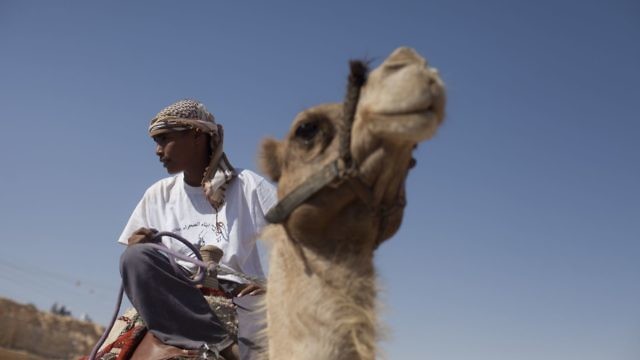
<point>172,205</point>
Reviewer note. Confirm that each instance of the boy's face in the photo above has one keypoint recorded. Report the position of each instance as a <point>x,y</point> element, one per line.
<point>176,150</point>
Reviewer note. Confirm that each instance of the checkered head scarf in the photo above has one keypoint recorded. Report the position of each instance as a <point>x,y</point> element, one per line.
<point>191,114</point>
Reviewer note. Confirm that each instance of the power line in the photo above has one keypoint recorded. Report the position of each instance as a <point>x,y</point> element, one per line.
<point>38,279</point>
<point>35,273</point>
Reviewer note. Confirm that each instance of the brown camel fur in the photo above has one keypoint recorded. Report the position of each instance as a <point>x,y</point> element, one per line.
<point>322,288</point>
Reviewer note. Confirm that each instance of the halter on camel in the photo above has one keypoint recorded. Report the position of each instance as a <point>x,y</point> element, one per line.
<point>341,170</point>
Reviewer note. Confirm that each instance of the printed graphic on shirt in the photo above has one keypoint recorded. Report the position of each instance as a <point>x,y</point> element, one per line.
<point>202,233</point>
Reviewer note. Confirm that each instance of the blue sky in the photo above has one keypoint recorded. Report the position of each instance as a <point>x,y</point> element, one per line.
<point>521,238</point>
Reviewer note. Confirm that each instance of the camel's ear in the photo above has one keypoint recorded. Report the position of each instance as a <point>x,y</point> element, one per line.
<point>270,158</point>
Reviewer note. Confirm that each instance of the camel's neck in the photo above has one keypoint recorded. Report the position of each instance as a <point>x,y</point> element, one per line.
<point>319,308</point>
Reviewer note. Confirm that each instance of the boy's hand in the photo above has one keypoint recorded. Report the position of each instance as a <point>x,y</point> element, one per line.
<point>142,235</point>
<point>251,289</point>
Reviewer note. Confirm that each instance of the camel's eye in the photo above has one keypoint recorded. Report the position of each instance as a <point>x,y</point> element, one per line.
<point>307,131</point>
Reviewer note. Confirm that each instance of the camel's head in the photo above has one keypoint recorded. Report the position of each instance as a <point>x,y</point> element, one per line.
<point>401,104</point>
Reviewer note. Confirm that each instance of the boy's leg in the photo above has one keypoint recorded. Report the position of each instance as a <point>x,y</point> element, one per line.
<point>174,310</point>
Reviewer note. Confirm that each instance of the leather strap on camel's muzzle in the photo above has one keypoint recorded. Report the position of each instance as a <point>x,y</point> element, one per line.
<point>334,173</point>
<point>316,182</point>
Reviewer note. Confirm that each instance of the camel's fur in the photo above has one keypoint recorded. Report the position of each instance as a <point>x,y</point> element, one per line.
<point>321,286</point>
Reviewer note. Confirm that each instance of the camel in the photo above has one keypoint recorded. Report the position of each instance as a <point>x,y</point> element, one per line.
<point>321,298</point>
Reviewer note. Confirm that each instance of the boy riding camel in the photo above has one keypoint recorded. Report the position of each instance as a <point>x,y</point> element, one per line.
<point>207,201</point>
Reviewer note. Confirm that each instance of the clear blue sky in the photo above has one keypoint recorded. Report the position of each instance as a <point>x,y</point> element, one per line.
<point>522,234</point>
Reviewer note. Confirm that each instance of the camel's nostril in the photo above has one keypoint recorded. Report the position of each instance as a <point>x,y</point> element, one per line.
<point>397,65</point>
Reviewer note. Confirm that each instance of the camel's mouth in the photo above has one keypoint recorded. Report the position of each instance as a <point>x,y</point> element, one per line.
<point>416,110</point>
<point>403,99</point>
<point>414,125</point>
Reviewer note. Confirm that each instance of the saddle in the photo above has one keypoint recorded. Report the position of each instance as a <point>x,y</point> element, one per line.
<point>150,348</point>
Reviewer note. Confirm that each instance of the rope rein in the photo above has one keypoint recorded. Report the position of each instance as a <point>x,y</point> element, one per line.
<point>357,78</point>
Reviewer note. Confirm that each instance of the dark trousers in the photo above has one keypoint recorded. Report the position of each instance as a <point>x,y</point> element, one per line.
<point>174,310</point>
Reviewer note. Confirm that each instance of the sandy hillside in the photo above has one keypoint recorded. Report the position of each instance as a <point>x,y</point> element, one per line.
<point>29,334</point>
